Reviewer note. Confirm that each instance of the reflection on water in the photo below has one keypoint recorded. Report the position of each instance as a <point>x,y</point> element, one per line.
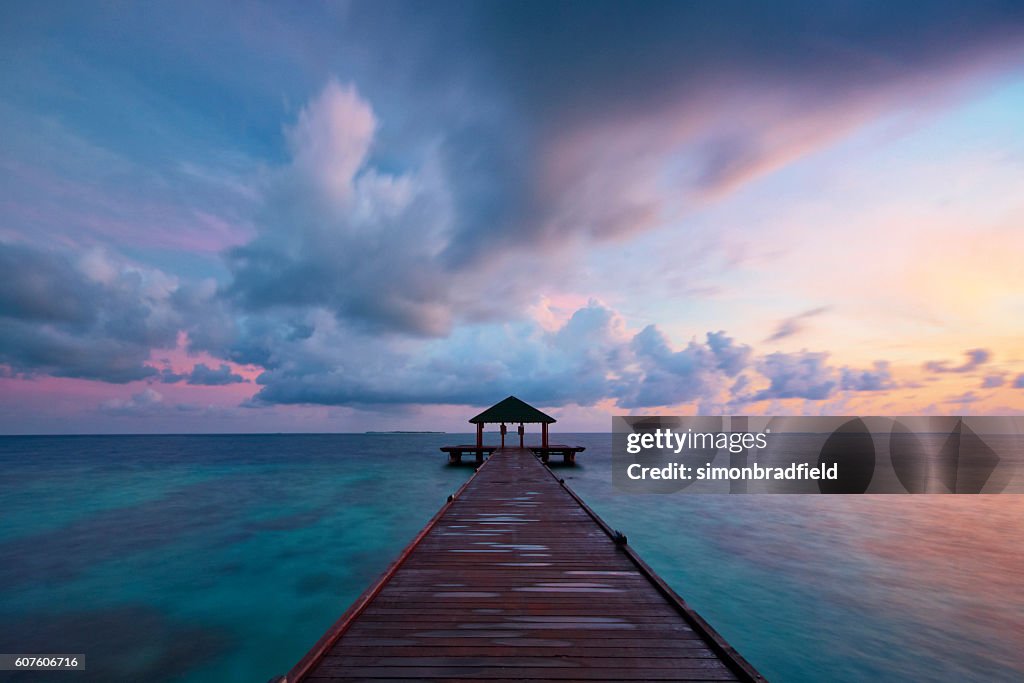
<point>840,587</point>
<point>224,558</point>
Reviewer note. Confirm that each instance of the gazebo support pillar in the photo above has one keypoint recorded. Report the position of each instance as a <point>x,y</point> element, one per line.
<point>544,434</point>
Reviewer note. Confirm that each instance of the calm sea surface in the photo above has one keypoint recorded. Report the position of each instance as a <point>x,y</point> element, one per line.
<point>224,558</point>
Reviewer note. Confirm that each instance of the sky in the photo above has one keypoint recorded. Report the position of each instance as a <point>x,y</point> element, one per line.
<point>349,216</point>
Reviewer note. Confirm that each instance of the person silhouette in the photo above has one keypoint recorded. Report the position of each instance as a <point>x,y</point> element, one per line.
<point>522,432</point>
<point>504,430</point>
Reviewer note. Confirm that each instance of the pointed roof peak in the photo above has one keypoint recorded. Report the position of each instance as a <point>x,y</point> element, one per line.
<point>512,409</point>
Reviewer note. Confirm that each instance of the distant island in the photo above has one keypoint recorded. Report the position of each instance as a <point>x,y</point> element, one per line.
<point>407,431</point>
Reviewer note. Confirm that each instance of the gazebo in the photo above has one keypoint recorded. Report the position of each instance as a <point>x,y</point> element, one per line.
<point>511,411</point>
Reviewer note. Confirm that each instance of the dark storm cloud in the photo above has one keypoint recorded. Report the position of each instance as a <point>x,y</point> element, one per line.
<point>75,318</point>
<point>748,83</point>
<point>975,359</point>
<point>203,375</point>
<point>634,56</point>
<point>43,287</point>
<point>532,129</point>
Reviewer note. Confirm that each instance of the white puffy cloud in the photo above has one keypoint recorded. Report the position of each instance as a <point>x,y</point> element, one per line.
<point>338,233</point>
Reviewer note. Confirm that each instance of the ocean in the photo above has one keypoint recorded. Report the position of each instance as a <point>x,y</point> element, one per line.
<point>224,558</point>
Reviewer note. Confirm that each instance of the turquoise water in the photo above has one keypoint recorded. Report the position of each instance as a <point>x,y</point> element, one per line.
<point>223,558</point>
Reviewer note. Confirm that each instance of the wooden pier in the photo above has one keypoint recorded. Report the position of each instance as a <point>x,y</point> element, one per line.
<point>455,453</point>
<point>568,453</point>
<point>515,578</point>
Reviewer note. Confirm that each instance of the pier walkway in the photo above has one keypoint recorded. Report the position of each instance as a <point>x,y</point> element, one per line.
<point>568,453</point>
<point>515,578</point>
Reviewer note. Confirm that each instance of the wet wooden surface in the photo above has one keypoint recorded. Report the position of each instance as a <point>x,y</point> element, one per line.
<point>515,580</point>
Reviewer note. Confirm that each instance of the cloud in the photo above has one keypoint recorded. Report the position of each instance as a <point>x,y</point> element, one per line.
<point>879,378</point>
<point>331,139</point>
<point>796,375</point>
<point>795,324</point>
<point>340,234</point>
<point>975,359</point>
<point>206,376</point>
<point>992,381</point>
<point>967,397</point>
<point>83,318</point>
<point>591,357</point>
<point>1019,382</point>
<point>150,403</point>
<point>311,355</point>
<point>203,375</point>
<point>697,372</point>
<point>114,191</point>
<point>373,247</point>
<point>43,287</point>
<point>89,316</point>
<point>168,376</point>
<point>335,364</point>
<point>547,151</point>
<point>717,96</point>
<point>627,140</point>
<point>826,52</point>
<point>403,227</point>
<point>146,402</point>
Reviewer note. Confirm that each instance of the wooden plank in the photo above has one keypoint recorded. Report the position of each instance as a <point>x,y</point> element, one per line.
<point>412,676</point>
<point>520,660</point>
<point>533,643</point>
<point>522,673</point>
<point>428,633</point>
<point>451,613</point>
<point>650,652</point>
<point>517,579</point>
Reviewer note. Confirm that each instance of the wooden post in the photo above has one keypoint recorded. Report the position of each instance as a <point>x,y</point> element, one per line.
<point>480,440</point>
<point>544,434</point>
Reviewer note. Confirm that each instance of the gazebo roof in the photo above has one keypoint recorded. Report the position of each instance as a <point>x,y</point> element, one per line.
<point>512,410</point>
